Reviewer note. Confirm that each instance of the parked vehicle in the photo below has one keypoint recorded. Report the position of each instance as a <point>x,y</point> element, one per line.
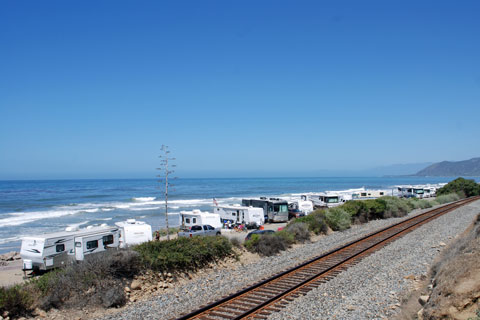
<point>259,232</point>
<point>299,208</point>
<point>324,199</point>
<point>411,192</point>
<point>133,232</point>
<point>197,217</point>
<point>53,250</point>
<point>238,214</point>
<point>274,209</point>
<point>199,231</point>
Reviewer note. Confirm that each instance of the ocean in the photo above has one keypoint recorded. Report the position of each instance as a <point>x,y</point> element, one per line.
<point>35,207</point>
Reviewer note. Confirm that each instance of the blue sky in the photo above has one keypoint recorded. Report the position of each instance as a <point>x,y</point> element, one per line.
<point>235,88</point>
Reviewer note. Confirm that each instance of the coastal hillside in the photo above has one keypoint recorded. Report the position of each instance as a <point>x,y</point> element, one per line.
<point>469,168</point>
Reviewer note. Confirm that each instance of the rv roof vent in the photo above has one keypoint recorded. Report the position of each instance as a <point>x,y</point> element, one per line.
<point>71,228</point>
<point>103,225</point>
<point>89,227</point>
<point>196,211</point>
<point>132,221</point>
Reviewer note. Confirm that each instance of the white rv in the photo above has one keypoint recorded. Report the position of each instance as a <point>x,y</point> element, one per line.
<point>54,250</point>
<point>324,199</point>
<point>236,213</point>
<point>133,232</point>
<point>411,192</point>
<point>369,194</point>
<point>197,217</point>
<point>301,206</point>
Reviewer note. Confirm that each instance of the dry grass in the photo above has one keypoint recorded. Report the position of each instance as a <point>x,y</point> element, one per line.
<point>456,291</point>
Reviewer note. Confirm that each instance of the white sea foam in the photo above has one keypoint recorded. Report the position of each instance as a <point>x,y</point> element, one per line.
<point>143,199</point>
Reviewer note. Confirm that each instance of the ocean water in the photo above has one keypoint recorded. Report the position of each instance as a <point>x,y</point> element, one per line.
<point>35,207</point>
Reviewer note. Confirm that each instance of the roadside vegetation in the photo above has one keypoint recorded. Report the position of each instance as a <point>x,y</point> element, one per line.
<point>101,278</point>
<point>467,187</point>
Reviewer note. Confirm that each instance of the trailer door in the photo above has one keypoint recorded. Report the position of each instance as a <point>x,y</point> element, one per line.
<point>78,248</point>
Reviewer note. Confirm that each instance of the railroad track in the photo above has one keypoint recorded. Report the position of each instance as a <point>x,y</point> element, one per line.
<point>272,294</point>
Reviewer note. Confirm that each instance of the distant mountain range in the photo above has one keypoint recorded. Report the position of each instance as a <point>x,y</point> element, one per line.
<point>466,168</point>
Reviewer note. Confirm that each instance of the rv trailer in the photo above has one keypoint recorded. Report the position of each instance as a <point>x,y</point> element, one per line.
<point>274,209</point>
<point>196,217</point>
<point>54,250</point>
<point>238,214</point>
<point>133,232</point>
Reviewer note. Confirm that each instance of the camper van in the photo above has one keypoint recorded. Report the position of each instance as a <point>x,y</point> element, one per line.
<point>324,199</point>
<point>274,209</point>
<point>133,232</point>
<point>54,250</point>
<point>411,192</point>
<point>196,217</point>
<point>238,214</point>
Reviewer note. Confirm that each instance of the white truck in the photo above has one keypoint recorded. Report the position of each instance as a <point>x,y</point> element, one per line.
<point>198,231</point>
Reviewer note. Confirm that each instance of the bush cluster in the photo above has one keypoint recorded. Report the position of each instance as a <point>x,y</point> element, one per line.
<point>183,253</point>
<point>338,219</point>
<point>268,244</point>
<point>16,301</point>
<point>463,186</point>
<point>315,222</point>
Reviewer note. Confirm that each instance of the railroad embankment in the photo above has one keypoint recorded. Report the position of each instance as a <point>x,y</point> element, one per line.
<point>452,289</point>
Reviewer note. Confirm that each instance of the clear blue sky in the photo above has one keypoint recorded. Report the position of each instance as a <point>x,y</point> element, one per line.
<point>235,88</point>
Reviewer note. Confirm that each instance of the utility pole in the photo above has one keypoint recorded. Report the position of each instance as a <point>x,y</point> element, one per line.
<point>165,170</point>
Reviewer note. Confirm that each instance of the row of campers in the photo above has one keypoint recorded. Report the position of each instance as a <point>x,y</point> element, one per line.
<point>54,250</point>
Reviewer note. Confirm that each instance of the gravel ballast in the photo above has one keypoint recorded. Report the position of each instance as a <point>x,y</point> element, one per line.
<point>367,290</point>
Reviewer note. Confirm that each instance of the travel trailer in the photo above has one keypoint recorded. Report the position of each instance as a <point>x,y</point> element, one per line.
<point>274,209</point>
<point>196,217</point>
<point>54,250</point>
<point>369,194</point>
<point>324,199</point>
<point>238,214</point>
<point>300,208</point>
<point>133,232</point>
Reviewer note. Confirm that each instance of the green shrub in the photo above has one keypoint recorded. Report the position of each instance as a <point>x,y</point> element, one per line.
<point>315,221</point>
<point>338,219</point>
<point>466,186</point>
<point>268,244</point>
<point>16,301</point>
<point>299,231</point>
<point>446,198</point>
<point>394,207</point>
<point>183,253</point>
<point>363,211</point>
<point>101,272</point>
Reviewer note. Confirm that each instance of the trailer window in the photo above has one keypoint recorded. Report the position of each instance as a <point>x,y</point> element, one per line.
<point>78,244</point>
<point>194,220</point>
<point>60,247</point>
<point>108,239</point>
<point>92,244</point>
<point>187,220</point>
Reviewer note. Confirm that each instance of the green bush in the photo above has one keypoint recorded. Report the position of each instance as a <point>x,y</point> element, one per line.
<point>394,207</point>
<point>268,244</point>
<point>414,203</point>
<point>16,301</point>
<point>315,221</point>
<point>446,198</point>
<point>183,253</point>
<point>338,219</point>
<point>363,211</point>
<point>299,231</point>
<point>466,186</point>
